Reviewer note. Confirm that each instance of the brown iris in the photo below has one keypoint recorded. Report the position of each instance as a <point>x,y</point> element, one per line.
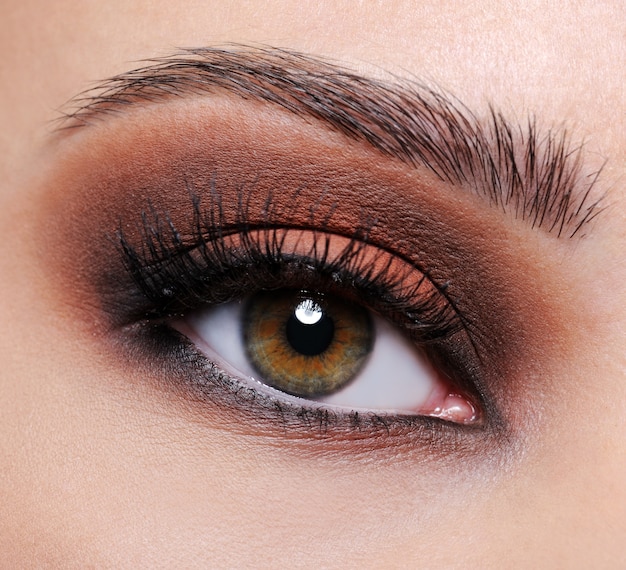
<point>306,344</point>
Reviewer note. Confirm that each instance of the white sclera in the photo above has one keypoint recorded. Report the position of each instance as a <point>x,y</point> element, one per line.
<point>219,330</point>
<point>395,377</point>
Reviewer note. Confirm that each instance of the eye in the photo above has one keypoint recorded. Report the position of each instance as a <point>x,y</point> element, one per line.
<point>324,348</point>
<point>305,320</point>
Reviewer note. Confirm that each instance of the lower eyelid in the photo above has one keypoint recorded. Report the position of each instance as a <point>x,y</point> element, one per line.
<point>396,379</point>
<point>300,426</point>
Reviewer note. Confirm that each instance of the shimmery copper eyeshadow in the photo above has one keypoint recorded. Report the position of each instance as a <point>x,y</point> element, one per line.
<point>158,157</point>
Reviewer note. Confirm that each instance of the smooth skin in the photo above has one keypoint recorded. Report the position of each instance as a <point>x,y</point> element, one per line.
<point>94,475</point>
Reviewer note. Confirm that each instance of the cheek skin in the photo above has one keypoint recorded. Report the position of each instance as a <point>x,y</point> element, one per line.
<point>149,482</point>
<point>176,483</point>
<point>500,273</point>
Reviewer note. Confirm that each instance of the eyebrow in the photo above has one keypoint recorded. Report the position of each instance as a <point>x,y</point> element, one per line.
<point>538,176</point>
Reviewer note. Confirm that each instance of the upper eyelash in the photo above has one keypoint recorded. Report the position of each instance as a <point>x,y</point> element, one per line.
<point>176,274</point>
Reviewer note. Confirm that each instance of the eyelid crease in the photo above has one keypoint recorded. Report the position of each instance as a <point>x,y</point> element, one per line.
<point>538,176</point>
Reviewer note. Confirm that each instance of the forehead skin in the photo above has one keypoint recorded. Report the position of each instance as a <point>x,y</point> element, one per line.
<point>79,489</point>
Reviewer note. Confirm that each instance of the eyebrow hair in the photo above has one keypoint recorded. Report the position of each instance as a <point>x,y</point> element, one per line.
<point>538,176</point>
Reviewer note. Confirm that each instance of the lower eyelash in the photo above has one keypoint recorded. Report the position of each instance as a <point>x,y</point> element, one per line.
<point>205,382</point>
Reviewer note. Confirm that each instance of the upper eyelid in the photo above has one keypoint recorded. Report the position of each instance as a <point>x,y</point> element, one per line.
<point>123,179</point>
<point>160,153</point>
<point>539,177</point>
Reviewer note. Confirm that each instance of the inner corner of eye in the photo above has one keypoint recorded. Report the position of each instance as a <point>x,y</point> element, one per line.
<point>325,350</point>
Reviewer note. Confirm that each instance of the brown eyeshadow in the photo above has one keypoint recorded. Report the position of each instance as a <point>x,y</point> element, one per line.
<point>158,157</point>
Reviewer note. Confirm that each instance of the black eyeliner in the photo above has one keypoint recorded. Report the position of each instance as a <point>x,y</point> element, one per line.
<point>222,261</point>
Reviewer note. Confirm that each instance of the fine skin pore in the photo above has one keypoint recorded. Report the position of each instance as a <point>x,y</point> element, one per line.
<point>113,455</point>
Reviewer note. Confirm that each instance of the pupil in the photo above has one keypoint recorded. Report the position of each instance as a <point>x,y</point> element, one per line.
<point>310,331</point>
